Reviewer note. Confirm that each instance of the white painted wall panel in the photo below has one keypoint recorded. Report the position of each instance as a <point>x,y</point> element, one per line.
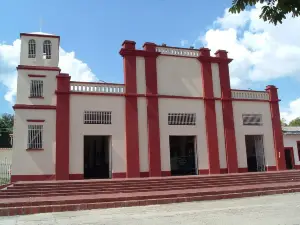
<point>266,130</point>
<point>80,103</point>
<point>182,106</point>
<point>221,138</point>
<point>140,75</point>
<point>23,87</point>
<point>143,135</point>
<point>179,76</point>
<point>38,60</point>
<point>34,162</point>
<point>291,141</point>
<point>216,80</point>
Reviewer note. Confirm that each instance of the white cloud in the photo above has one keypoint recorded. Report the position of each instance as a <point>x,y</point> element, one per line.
<point>10,57</point>
<point>261,51</point>
<point>184,43</point>
<point>292,112</point>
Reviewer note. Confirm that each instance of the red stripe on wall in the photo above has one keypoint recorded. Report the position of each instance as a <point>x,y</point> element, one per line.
<point>152,111</point>
<point>276,124</point>
<point>210,113</point>
<point>62,127</point>
<point>228,117</point>
<point>131,112</point>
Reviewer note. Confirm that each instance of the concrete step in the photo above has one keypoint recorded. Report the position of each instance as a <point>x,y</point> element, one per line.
<point>41,205</point>
<point>12,193</point>
<point>152,181</point>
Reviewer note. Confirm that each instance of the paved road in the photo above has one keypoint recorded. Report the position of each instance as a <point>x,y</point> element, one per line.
<point>267,210</point>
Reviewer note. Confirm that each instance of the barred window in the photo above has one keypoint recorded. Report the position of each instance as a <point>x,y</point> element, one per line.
<point>182,118</point>
<point>252,119</point>
<point>36,88</point>
<point>97,117</point>
<point>35,137</point>
<point>47,49</point>
<point>31,48</point>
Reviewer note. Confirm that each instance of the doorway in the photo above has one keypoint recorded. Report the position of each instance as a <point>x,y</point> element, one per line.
<point>97,157</point>
<point>255,153</point>
<point>289,158</point>
<point>183,155</point>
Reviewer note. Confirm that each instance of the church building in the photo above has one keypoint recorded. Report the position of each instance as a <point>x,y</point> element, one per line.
<point>175,114</point>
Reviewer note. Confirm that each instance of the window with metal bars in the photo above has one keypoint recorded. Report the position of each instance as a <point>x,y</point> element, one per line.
<point>31,48</point>
<point>36,88</point>
<point>182,118</point>
<point>97,117</point>
<point>47,49</point>
<point>35,137</point>
<point>252,119</point>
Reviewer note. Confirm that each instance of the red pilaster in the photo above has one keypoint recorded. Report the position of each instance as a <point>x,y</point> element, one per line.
<point>152,110</point>
<point>62,127</point>
<point>131,110</point>
<point>276,124</point>
<point>228,117</point>
<point>210,112</point>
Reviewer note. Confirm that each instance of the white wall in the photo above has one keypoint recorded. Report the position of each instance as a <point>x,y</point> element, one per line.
<point>140,75</point>
<point>179,76</point>
<point>216,80</point>
<point>266,130</point>
<point>221,138</point>
<point>38,60</point>
<point>291,141</point>
<point>23,87</point>
<point>5,154</point>
<point>40,162</point>
<point>80,103</point>
<point>182,106</point>
<point>143,135</point>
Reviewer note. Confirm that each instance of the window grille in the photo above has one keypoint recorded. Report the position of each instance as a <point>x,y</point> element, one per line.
<point>31,48</point>
<point>47,49</point>
<point>35,137</point>
<point>182,118</point>
<point>36,88</point>
<point>252,119</point>
<point>97,117</point>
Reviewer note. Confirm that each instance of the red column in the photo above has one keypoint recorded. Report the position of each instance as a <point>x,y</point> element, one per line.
<point>152,110</point>
<point>62,127</point>
<point>131,110</point>
<point>228,117</point>
<point>276,124</point>
<point>210,112</point>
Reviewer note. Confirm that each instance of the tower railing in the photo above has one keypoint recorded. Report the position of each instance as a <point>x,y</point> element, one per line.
<point>96,87</point>
<point>248,94</point>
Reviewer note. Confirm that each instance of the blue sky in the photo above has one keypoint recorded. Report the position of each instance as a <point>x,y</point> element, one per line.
<point>92,33</point>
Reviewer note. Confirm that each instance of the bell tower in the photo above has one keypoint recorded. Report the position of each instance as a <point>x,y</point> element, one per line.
<point>39,49</point>
<point>36,107</point>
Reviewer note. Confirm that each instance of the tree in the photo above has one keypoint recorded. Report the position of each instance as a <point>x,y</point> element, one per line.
<point>283,122</point>
<point>295,122</point>
<point>6,123</point>
<point>273,11</point>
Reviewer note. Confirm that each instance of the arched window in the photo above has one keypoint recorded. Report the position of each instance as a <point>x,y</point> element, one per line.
<point>47,49</point>
<point>31,48</point>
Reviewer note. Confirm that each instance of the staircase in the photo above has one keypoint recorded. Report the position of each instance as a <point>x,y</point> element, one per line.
<point>56,196</point>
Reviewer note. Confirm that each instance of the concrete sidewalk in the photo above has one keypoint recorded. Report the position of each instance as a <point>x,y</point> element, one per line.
<point>271,210</point>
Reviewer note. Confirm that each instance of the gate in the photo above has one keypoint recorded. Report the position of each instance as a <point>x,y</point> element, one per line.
<point>260,153</point>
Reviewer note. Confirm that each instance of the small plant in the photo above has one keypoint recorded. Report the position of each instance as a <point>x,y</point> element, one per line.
<point>164,45</point>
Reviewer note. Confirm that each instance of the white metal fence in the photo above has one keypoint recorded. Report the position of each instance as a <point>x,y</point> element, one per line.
<point>5,172</point>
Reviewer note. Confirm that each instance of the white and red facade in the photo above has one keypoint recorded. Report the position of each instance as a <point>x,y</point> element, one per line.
<point>157,80</point>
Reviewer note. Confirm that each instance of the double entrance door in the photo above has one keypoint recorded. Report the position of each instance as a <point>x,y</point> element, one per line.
<point>183,155</point>
<point>97,157</point>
